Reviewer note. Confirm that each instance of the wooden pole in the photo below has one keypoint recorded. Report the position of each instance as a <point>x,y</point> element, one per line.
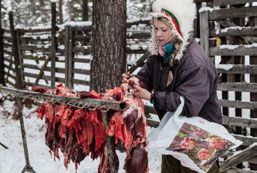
<point>69,57</point>
<point>85,10</point>
<point>110,146</point>
<point>60,11</point>
<point>204,31</point>
<point>19,85</point>
<point>2,73</point>
<point>53,44</point>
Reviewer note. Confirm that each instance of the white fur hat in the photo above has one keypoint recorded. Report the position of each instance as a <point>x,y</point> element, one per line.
<point>180,13</point>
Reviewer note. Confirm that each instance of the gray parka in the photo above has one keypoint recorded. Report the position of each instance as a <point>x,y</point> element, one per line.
<point>194,78</point>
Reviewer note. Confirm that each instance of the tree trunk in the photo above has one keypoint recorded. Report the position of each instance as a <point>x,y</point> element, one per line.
<point>109,44</point>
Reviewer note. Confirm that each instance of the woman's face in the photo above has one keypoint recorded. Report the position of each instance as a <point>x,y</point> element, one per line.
<point>162,31</point>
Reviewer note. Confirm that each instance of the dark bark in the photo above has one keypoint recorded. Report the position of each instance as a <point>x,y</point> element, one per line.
<point>109,44</point>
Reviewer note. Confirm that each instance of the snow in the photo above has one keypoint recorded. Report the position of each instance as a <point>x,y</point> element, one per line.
<point>225,67</point>
<point>12,159</point>
<point>231,47</point>
<point>203,9</point>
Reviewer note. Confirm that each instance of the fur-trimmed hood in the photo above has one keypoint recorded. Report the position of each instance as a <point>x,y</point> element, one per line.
<point>181,15</point>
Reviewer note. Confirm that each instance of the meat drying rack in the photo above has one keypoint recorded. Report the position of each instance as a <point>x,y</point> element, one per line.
<point>103,105</point>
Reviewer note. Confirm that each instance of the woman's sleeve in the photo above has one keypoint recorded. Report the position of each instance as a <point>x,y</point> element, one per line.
<point>195,86</point>
<point>145,75</point>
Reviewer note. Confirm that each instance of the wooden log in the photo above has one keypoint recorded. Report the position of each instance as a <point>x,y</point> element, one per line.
<point>233,13</point>
<point>19,85</point>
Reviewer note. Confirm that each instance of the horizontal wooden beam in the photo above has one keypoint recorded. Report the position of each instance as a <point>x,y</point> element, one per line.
<point>239,122</point>
<point>237,69</point>
<point>231,2</point>
<point>236,51</point>
<point>239,87</point>
<point>247,31</point>
<point>233,13</point>
<point>238,104</point>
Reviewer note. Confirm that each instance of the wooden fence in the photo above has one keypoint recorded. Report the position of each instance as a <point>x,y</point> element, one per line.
<point>228,35</point>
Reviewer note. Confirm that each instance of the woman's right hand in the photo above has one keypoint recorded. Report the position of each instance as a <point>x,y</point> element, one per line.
<point>125,77</point>
<point>130,79</point>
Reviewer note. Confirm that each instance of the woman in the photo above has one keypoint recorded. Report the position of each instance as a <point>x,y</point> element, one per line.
<point>178,67</point>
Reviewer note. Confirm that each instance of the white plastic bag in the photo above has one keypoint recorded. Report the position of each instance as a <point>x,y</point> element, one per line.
<point>195,142</point>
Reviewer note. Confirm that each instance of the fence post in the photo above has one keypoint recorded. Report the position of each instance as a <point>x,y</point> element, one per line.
<point>204,30</point>
<point>85,10</point>
<point>53,44</point>
<point>69,57</point>
<point>2,73</point>
<point>19,85</point>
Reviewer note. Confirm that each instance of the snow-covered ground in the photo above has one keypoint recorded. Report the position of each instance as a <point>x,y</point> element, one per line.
<point>12,159</point>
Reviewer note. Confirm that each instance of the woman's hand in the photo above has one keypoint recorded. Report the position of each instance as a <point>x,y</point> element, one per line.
<point>125,77</point>
<point>130,79</point>
<point>141,92</point>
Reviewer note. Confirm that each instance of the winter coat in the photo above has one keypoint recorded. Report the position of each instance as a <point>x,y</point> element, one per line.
<point>194,78</point>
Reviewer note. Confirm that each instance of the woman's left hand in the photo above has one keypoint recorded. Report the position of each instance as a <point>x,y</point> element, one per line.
<point>141,92</point>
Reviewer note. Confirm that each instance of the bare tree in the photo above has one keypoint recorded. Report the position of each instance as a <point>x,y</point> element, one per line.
<point>109,44</point>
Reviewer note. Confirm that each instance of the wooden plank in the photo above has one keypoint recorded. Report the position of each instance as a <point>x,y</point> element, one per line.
<point>240,157</point>
<point>233,13</point>
<point>38,48</point>
<point>240,122</point>
<point>236,51</point>
<point>238,104</point>
<point>58,79</point>
<point>231,2</point>
<point>139,62</point>
<point>139,35</point>
<point>81,60</point>
<point>238,69</point>
<point>237,170</point>
<point>35,39</point>
<point>247,140</point>
<point>36,30</point>
<point>204,31</point>
<point>240,87</point>
<point>244,31</point>
<point>82,82</point>
<point>41,72</point>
